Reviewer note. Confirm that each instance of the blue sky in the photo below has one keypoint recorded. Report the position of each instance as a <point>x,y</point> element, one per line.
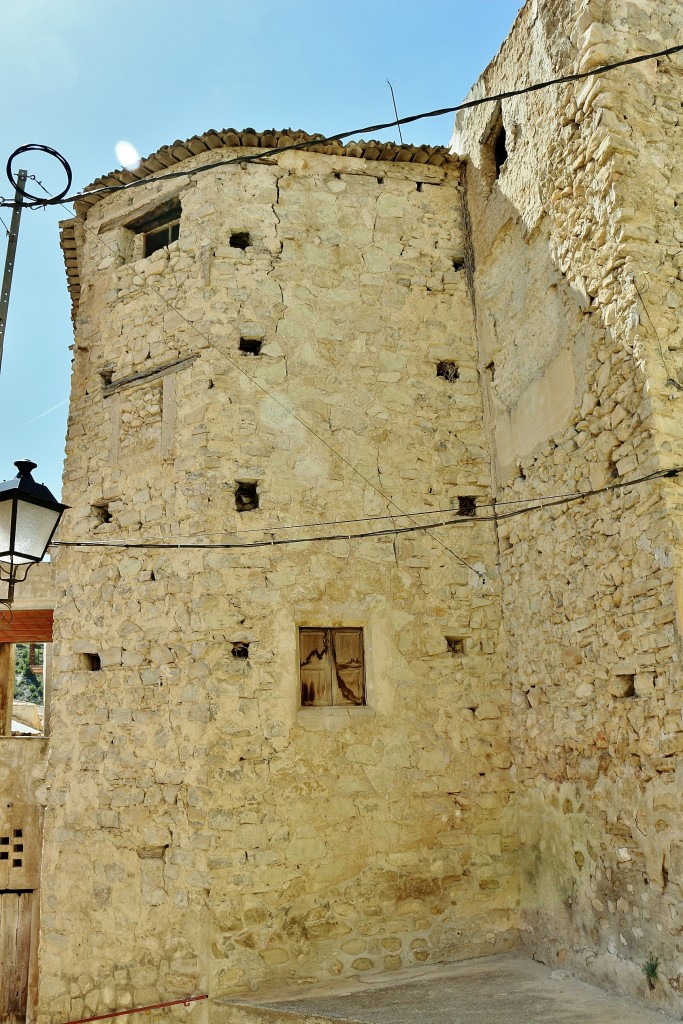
<point>79,75</point>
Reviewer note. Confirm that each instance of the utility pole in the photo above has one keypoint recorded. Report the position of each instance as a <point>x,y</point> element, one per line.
<point>11,254</point>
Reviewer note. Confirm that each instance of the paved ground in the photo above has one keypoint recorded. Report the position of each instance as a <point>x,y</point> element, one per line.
<point>503,989</point>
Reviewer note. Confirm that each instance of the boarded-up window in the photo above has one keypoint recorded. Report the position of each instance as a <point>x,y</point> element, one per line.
<point>331,667</point>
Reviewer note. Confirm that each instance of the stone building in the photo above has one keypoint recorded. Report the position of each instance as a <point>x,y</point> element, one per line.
<point>274,764</point>
<point>291,761</point>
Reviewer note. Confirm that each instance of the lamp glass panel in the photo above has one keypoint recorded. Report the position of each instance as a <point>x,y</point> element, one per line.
<point>33,530</point>
<point>5,525</point>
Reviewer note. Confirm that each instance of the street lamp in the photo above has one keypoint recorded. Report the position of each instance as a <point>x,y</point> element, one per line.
<point>29,516</point>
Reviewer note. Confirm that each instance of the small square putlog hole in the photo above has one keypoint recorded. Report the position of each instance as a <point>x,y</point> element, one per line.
<point>624,686</point>
<point>246,496</point>
<point>240,650</point>
<point>91,662</point>
<point>251,346</point>
<point>101,513</point>
<point>455,644</point>
<point>467,505</point>
<point>448,370</point>
<point>240,239</point>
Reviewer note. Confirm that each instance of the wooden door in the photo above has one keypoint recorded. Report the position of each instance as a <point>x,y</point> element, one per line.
<point>16,908</point>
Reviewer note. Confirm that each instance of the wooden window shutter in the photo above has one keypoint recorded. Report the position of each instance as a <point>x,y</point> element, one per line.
<point>348,669</point>
<point>314,668</point>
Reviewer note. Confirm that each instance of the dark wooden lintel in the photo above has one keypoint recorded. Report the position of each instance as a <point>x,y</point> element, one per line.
<point>147,375</point>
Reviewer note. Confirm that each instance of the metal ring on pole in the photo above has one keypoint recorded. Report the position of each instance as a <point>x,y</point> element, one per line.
<point>35,147</point>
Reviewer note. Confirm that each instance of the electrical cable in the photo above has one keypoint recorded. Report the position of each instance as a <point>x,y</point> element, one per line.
<point>670,379</point>
<point>60,198</point>
<point>27,199</point>
<point>466,105</point>
<point>540,505</point>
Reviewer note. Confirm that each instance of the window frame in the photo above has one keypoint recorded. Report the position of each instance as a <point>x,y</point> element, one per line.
<point>333,666</point>
<point>163,219</point>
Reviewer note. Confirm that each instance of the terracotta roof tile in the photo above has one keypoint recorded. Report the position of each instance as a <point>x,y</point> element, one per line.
<point>230,138</point>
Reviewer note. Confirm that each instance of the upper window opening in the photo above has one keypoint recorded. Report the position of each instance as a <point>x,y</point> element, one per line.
<point>240,239</point>
<point>500,153</point>
<point>160,227</point>
<point>331,667</point>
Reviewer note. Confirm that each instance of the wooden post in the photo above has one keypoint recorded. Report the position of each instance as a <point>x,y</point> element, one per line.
<point>6,688</point>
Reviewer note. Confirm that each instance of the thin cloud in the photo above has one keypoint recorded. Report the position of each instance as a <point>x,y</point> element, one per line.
<point>53,408</point>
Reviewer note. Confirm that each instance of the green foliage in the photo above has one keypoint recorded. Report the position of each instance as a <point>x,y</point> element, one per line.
<point>27,685</point>
<point>650,968</point>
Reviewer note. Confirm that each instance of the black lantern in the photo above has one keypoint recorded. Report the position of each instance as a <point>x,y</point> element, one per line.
<point>29,516</point>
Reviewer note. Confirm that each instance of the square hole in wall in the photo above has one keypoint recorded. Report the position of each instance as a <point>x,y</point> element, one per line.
<point>240,239</point>
<point>455,644</point>
<point>624,685</point>
<point>467,505</point>
<point>251,346</point>
<point>240,650</point>
<point>448,370</point>
<point>101,513</point>
<point>91,662</point>
<point>246,495</point>
<point>16,862</point>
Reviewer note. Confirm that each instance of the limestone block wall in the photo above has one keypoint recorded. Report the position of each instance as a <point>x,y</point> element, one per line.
<point>220,837</point>
<point>577,248</point>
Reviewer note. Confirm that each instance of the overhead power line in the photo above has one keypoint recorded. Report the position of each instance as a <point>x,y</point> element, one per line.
<point>339,136</point>
<point>246,159</point>
<point>536,506</point>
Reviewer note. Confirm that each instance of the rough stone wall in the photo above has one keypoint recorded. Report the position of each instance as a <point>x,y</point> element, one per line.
<point>220,837</point>
<point>578,249</point>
